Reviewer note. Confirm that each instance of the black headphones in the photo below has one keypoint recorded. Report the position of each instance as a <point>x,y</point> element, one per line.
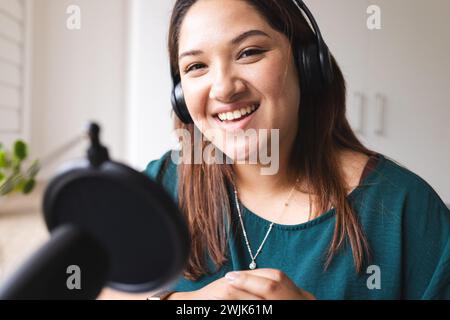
<point>313,61</point>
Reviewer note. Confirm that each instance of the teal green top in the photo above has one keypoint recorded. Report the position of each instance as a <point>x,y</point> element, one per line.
<point>405,221</point>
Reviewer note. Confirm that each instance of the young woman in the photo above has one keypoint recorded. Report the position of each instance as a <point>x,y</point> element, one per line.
<point>336,220</point>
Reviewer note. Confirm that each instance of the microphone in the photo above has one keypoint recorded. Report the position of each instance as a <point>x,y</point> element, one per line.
<point>71,265</point>
<point>110,226</point>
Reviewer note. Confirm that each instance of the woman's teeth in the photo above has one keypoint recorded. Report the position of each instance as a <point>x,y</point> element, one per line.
<point>237,114</point>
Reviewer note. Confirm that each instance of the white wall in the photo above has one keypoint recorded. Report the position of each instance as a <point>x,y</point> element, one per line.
<point>78,75</point>
<point>148,100</point>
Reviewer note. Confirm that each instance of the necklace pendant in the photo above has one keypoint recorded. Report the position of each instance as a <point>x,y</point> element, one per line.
<point>252,265</point>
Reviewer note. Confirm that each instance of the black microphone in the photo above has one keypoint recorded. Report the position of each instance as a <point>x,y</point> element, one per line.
<point>110,226</point>
<point>71,265</point>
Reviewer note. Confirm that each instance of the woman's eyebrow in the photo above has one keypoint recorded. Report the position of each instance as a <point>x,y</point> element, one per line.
<point>247,34</point>
<point>235,41</point>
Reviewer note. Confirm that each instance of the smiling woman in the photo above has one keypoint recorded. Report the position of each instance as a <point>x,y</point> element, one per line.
<point>332,210</point>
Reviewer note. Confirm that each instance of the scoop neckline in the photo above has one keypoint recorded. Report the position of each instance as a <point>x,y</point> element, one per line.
<point>326,215</point>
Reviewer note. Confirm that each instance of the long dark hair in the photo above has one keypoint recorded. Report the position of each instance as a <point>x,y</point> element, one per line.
<point>323,130</point>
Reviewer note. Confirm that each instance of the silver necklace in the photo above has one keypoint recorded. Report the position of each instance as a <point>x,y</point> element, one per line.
<point>253,257</point>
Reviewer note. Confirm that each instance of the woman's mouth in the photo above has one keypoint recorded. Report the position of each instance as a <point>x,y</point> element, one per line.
<point>237,115</point>
<point>236,119</point>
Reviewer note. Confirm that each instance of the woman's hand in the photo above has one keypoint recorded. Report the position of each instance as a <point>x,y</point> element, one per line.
<point>258,284</point>
<point>269,284</point>
<point>220,289</point>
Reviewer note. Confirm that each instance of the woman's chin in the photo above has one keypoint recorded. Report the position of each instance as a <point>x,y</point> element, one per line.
<point>241,155</point>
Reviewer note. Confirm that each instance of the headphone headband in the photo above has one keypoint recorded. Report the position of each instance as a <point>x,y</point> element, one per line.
<point>303,8</point>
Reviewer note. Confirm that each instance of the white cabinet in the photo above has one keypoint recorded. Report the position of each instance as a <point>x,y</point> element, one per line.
<point>401,70</point>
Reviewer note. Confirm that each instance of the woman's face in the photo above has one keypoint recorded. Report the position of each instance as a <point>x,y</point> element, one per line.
<point>231,81</point>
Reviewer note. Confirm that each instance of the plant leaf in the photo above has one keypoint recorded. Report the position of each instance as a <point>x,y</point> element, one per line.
<point>29,186</point>
<point>20,184</point>
<point>20,149</point>
<point>3,159</point>
<point>16,165</point>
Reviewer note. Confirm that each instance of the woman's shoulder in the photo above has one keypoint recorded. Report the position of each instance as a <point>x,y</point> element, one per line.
<point>164,171</point>
<point>156,166</point>
<point>423,221</point>
<point>397,179</point>
<point>409,203</point>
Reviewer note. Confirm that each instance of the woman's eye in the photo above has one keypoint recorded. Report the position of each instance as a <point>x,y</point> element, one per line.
<point>250,52</point>
<point>192,67</point>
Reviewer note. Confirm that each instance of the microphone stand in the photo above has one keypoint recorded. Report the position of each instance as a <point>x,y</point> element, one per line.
<point>47,274</point>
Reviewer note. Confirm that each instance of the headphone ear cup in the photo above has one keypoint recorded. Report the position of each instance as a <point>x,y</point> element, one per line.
<point>325,63</point>
<point>179,104</point>
<point>316,69</point>
<point>310,70</point>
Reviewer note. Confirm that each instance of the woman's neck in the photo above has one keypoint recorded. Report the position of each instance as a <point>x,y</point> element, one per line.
<point>249,177</point>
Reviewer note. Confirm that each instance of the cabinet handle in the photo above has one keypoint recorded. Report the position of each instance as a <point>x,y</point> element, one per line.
<point>359,112</point>
<point>380,106</point>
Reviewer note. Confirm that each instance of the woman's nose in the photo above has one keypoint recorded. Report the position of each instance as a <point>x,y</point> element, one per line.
<point>225,86</point>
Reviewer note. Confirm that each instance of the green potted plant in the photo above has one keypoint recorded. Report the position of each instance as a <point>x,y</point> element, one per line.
<point>13,177</point>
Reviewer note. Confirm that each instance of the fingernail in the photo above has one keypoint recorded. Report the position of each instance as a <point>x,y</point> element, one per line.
<point>231,276</point>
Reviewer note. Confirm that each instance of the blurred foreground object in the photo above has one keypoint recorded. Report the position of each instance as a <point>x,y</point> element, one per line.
<point>110,226</point>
